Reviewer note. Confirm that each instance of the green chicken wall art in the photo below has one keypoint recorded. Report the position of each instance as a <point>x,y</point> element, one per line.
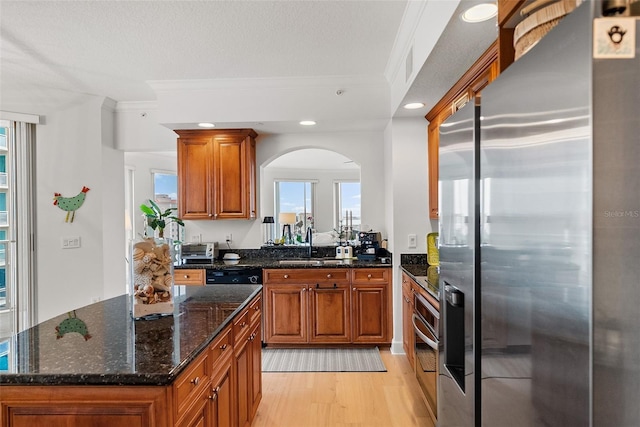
<point>70,204</point>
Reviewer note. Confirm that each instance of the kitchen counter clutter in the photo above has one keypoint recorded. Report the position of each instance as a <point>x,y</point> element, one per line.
<point>98,366</point>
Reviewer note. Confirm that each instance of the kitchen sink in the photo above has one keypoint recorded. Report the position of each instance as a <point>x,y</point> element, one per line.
<point>311,261</point>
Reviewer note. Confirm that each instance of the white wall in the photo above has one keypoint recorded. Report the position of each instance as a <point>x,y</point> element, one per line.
<point>406,164</point>
<point>74,148</point>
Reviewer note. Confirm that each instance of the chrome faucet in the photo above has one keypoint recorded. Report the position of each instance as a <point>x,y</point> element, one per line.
<point>309,239</point>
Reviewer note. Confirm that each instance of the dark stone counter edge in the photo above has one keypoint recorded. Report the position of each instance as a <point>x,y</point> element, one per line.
<point>132,379</point>
<point>265,263</point>
<point>415,270</point>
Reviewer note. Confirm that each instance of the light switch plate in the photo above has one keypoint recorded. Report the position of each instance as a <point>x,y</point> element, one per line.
<point>412,241</point>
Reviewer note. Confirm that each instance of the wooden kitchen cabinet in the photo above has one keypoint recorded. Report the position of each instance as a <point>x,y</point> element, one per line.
<point>248,368</point>
<point>329,317</point>
<point>61,406</point>
<point>222,407</point>
<point>189,276</point>
<point>408,336</point>
<point>286,308</point>
<point>307,306</point>
<point>217,174</point>
<point>371,305</point>
<point>470,85</point>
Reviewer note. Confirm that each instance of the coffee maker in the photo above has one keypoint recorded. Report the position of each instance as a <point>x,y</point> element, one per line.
<point>369,245</point>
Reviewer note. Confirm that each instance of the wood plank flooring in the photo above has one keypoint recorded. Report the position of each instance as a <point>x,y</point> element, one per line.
<point>341,399</point>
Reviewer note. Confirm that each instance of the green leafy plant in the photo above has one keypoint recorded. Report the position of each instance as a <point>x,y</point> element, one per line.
<point>157,218</point>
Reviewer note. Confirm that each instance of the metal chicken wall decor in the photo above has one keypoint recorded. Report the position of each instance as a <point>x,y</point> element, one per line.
<point>70,204</point>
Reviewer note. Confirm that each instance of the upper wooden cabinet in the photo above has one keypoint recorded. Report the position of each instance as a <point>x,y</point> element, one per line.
<point>481,73</point>
<point>217,174</point>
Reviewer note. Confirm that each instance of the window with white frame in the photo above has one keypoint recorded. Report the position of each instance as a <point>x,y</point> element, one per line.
<point>347,205</point>
<point>295,197</point>
<point>17,281</point>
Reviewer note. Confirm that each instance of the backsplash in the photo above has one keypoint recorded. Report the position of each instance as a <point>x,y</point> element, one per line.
<point>413,259</point>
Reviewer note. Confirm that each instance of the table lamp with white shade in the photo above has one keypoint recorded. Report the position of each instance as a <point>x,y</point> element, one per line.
<point>286,219</point>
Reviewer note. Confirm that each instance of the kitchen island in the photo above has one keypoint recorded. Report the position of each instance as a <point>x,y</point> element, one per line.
<point>97,366</point>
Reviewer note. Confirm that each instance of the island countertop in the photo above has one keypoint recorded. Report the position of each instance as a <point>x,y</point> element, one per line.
<point>110,348</point>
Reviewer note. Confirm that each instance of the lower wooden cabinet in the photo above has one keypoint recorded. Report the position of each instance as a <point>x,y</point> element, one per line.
<point>84,406</point>
<point>327,306</point>
<point>408,336</point>
<point>221,396</point>
<point>248,367</point>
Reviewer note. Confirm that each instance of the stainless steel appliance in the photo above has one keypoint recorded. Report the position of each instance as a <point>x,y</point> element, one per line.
<point>556,268</point>
<point>458,249</point>
<point>426,323</point>
<point>198,253</point>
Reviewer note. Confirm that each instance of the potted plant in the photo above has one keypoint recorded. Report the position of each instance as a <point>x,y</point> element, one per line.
<point>157,218</point>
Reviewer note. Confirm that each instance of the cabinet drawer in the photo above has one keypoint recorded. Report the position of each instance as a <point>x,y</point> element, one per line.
<point>370,275</point>
<point>221,346</point>
<point>241,326</point>
<point>189,276</point>
<point>255,309</point>
<point>190,384</point>
<point>307,275</point>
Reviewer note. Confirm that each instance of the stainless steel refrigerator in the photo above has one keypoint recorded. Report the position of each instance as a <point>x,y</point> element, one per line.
<point>554,338</point>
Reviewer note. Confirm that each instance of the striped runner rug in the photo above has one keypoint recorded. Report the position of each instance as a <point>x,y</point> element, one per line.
<point>322,360</point>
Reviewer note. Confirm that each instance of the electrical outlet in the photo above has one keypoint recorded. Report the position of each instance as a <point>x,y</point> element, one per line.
<point>229,237</point>
<point>71,242</point>
<point>412,243</point>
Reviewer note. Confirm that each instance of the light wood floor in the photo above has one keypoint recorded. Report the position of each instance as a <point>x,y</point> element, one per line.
<point>338,399</point>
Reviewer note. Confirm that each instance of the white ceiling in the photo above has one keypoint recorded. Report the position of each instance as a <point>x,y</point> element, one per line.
<point>54,51</point>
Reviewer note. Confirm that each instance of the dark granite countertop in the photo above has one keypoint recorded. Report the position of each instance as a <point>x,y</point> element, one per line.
<point>275,263</point>
<point>427,276</point>
<point>121,351</point>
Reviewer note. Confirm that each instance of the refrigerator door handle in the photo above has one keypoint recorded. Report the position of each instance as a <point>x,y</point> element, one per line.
<point>431,343</point>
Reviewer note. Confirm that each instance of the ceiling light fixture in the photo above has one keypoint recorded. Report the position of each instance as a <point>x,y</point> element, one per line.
<point>413,105</point>
<point>206,125</point>
<point>480,12</point>
<point>307,123</point>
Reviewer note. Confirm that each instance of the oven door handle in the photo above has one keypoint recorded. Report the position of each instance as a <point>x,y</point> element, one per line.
<point>431,343</point>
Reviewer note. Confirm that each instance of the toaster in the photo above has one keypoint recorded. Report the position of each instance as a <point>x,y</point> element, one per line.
<point>199,253</point>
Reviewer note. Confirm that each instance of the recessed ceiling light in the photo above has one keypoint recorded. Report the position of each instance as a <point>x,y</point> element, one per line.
<point>480,12</point>
<point>413,105</point>
<point>307,123</point>
<point>206,125</point>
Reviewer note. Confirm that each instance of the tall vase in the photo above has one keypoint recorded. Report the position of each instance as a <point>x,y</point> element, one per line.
<point>151,285</point>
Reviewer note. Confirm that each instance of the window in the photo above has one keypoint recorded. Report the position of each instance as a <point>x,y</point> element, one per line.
<point>347,205</point>
<point>17,284</point>
<point>165,194</point>
<point>296,197</point>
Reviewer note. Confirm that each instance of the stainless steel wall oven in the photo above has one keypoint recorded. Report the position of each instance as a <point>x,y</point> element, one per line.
<point>426,319</point>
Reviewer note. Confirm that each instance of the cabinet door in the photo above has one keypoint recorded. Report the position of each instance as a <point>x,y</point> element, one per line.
<point>222,404</point>
<point>84,406</point>
<point>285,310</point>
<point>195,178</point>
<point>243,383</point>
<point>370,305</point>
<point>255,347</point>
<point>230,169</point>
<point>408,337</point>
<point>329,314</point>
<point>199,415</point>
<point>251,178</point>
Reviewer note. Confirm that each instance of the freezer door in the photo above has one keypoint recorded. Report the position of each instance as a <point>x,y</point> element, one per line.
<point>457,249</point>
